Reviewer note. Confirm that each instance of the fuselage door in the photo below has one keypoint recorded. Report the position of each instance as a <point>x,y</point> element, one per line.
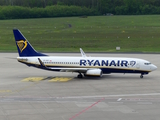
<point>137,65</point>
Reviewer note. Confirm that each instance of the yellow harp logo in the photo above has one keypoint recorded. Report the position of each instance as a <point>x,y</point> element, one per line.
<point>22,44</point>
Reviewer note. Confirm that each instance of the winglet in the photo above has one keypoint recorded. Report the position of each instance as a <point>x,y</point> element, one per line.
<point>82,53</point>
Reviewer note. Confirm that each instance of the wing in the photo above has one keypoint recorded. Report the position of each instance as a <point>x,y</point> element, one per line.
<point>81,70</point>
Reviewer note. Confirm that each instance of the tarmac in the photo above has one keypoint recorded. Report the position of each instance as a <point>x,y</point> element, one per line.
<point>28,93</point>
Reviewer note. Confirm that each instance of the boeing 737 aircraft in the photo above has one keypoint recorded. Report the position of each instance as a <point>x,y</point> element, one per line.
<point>84,66</point>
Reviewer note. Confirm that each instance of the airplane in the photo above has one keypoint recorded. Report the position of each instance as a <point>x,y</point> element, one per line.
<point>84,66</point>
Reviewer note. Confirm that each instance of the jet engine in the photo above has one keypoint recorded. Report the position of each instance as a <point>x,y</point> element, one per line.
<point>94,72</point>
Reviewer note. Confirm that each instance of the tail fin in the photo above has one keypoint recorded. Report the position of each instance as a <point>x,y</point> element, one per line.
<point>25,49</point>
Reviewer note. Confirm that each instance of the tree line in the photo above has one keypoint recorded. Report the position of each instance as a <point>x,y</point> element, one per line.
<point>18,12</point>
<point>44,8</point>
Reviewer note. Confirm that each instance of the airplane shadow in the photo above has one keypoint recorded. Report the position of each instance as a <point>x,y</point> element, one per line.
<point>115,77</point>
<point>87,78</point>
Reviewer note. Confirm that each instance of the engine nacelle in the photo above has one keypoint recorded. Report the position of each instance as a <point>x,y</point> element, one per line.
<point>94,72</point>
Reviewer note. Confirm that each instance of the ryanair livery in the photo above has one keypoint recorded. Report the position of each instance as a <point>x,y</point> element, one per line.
<point>85,66</point>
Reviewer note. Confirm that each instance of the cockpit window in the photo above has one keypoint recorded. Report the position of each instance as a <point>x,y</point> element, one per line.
<point>147,63</point>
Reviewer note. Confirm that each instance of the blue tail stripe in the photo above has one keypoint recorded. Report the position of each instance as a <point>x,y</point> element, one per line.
<point>25,49</point>
<point>18,35</point>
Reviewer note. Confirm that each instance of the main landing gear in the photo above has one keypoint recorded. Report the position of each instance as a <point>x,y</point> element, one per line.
<point>79,75</point>
<point>141,76</point>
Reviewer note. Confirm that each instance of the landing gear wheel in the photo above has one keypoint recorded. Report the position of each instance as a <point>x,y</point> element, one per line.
<point>141,76</point>
<point>79,75</point>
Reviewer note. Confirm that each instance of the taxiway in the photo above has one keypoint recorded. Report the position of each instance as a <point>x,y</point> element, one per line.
<point>34,94</point>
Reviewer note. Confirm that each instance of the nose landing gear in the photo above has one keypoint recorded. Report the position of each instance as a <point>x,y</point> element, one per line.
<point>141,76</point>
<point>144,73</point>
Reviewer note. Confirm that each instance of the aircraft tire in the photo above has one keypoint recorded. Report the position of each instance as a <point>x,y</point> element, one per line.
<point>79,76</point>
<point>141,76</point>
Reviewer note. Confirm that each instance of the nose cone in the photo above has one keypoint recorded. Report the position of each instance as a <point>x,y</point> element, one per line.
<point>153,67</point>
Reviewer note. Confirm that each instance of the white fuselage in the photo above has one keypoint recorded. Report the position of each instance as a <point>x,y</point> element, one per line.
<point>106,64</point>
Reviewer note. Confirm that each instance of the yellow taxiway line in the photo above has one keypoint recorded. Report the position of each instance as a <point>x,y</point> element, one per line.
<point>5,91</point>
<point>60,79</point>
<point>52,79</point>
<point>33,79</point>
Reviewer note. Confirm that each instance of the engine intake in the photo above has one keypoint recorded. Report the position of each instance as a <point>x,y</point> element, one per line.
<point>94,72</point>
